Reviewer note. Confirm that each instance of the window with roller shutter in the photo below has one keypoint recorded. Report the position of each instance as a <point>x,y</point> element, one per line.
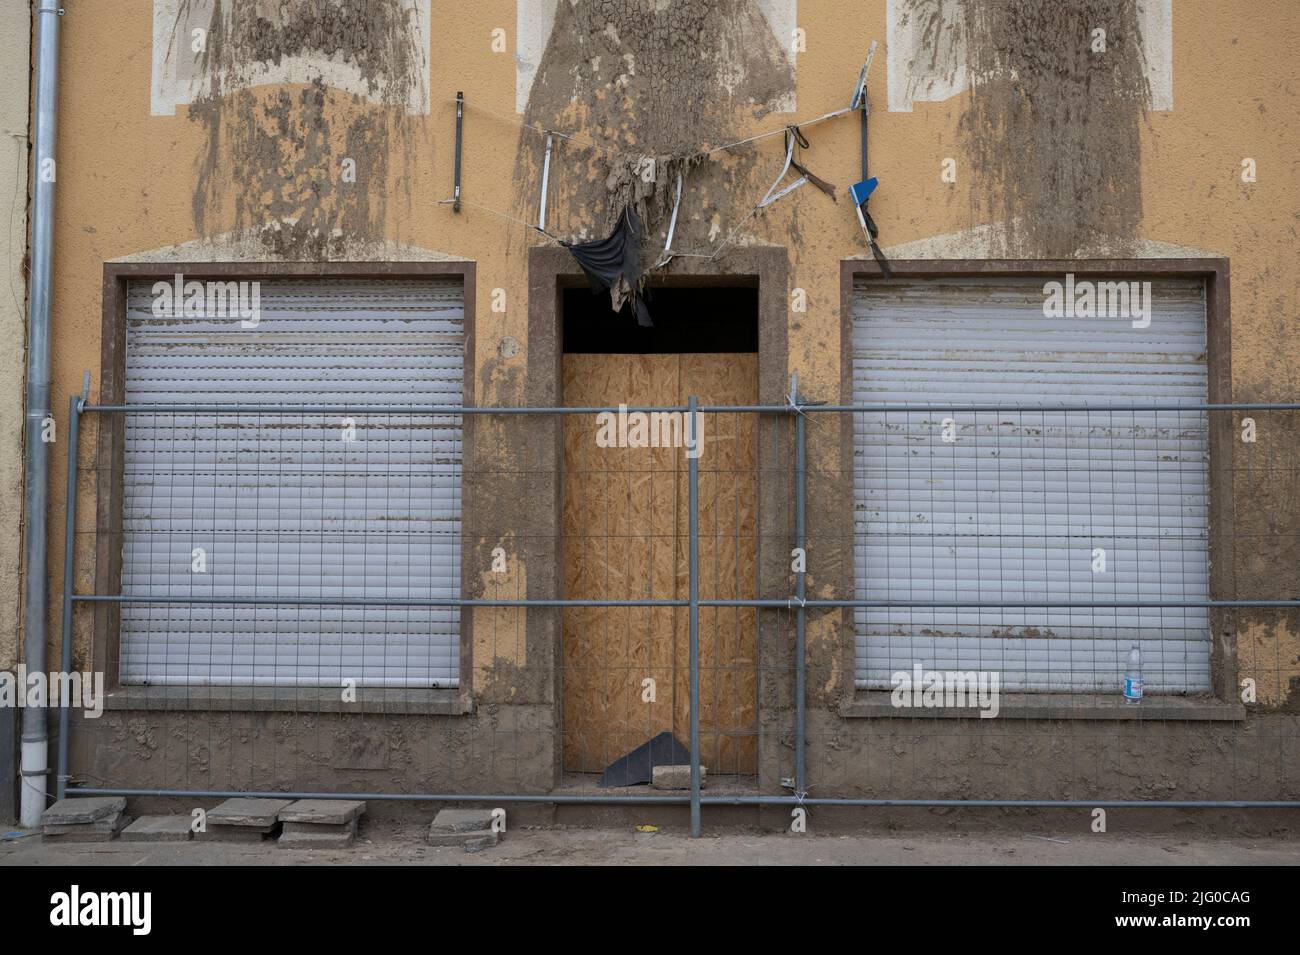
<point>1014,508</point>
<point>279,503</point>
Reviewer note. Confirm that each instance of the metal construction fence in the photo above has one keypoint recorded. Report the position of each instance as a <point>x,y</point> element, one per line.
<point>263,563</point>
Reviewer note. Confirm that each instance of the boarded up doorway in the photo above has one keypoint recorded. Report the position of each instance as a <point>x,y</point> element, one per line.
<point>625,669</point>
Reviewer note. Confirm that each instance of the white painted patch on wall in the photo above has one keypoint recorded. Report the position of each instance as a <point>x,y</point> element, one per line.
<point>533,22</point>
<point>1157,19</point>
<point>249,245</point>
<point>927,55</point>
<point>783,15</point>
<point>986,242</point>
<point>178,79</point>
<point>534,19</point>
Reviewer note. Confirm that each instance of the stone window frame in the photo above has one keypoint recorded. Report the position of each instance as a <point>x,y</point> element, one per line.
<point>108,451</point>
<point>1223,703</point>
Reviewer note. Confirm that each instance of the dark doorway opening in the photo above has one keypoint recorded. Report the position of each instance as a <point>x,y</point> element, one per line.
<point>687,319</point>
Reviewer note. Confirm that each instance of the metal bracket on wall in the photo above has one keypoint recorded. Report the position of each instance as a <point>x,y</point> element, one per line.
<point>672,227</point>
<point>860,91</point>
<point>546,182</point>
<point>460,120</point>
<point>862,190</point>
<point>772,193</point>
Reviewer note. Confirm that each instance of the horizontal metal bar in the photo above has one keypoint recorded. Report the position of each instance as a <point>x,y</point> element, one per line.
<point>560,798</point>
<point>708,800</point>
<point>217,409</point>
<point>787,603</point>
<point>1149,406</point>
<point>996,604</point>
<point>413,410</point>
<point>738,800</point>
<point>368,601</point>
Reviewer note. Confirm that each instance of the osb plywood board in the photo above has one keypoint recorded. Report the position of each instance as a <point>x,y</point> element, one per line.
<point>728,499</point>
<point>625,525</point>
<point>619,515</point>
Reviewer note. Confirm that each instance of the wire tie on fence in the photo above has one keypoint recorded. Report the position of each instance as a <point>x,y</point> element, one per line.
<point>797,404</point>
<point>799,796</point>
<point>789,604</point>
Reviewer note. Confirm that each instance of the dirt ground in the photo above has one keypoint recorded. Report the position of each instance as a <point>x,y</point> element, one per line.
<point>390,843</point>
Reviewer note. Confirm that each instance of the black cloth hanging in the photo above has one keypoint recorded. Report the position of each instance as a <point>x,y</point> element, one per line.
<point>873,234</point>
<point>614,263</point>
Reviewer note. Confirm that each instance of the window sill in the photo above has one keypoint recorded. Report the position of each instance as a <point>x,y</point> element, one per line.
<point>434,701</point>
<point>876,704</point>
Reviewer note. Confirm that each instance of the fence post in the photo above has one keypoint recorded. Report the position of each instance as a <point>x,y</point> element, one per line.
<point>69,555</point>
<point>800,623</point>
<point>693,469</point>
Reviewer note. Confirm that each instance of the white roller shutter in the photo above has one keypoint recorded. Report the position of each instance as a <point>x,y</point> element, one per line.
<point>1014,507</point>
<point>282,505</point>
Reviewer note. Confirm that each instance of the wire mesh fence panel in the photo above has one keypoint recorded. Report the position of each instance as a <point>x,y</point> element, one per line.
<point>1013,507</point>
<point>434,601</point>
<point>277,503</point>
<point>1012,504</point>
<point>1048,598</point>
<point>324,508</point>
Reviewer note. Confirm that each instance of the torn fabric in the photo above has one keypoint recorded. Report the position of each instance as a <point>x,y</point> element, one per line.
<point>614,263</point>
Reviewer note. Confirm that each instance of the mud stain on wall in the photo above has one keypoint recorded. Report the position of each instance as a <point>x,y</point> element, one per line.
<point>1268,653</point>
<point>378,37</point>
<point>374,48</point>
<point>658,79</point>
<point>1052,131</point>
<point>279,158</point>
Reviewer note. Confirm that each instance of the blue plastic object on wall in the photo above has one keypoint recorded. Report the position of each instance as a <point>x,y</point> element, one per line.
<point>861,191</point>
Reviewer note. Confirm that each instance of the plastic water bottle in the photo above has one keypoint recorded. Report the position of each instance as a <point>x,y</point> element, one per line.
<point>1133,677</point>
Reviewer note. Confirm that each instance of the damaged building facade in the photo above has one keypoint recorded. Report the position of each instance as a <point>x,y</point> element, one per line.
<point>294,239</point>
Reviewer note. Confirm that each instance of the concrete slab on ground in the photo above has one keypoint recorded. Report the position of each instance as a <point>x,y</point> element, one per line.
<point>71,812</point>
<point>311,828</point>
<point>327,812</point>
<point>89,833</point>
<point>676,777</point>
<point>108,824</point>
<point>461,820</point>
<point>471,841</point>
<point>158,829</point>
<point>260,813</point>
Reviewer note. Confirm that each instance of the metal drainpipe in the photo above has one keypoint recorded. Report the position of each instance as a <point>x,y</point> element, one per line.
<point>36,734</point>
